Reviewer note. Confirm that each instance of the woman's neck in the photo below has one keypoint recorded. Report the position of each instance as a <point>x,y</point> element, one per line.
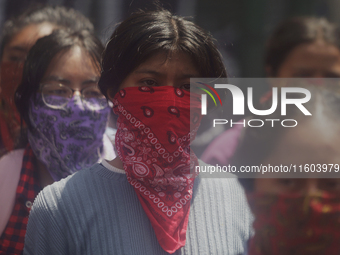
<point>116,163</point>
<point>45,178</point>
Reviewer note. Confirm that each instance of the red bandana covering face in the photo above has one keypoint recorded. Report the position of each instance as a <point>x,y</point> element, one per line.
<point>295,224</point>
<point>153,142</point>
<point>10,77</point>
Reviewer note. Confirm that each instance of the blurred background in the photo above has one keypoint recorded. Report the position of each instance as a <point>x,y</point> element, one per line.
<point>241,27</point>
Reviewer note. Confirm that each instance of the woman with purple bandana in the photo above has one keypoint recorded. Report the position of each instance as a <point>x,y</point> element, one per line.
<point>61,103</point>
<point>18,35</point>
<point>66,117</point>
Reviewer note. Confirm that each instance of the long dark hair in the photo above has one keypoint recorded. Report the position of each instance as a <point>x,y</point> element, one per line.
<point>294,32</point>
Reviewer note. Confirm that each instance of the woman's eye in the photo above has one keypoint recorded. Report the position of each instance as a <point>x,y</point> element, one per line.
<point>288,183</point>
<point>92,92</point>
<point>58,92</point>
<point>185,87</point>
<point>150,82</point>
<point>17,59</point>
<point>63,92</point>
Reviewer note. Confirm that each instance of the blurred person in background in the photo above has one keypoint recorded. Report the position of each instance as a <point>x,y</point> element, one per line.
<point>147,200</point>
<point>295,215</point>
<point>301,47</point>
<point>66,117</point>
<point>18,35</point>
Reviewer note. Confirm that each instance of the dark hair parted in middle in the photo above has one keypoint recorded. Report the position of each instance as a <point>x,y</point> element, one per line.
<point>294,32</point>
<point>144,34</point>
<point>41,55</point>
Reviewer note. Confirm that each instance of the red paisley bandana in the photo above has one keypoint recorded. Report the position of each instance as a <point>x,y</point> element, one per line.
<point>10,77</point>
<point>153,141</point>
<point>295,224</point>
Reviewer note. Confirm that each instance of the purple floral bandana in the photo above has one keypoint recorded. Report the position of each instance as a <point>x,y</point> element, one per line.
<point>69,139</point>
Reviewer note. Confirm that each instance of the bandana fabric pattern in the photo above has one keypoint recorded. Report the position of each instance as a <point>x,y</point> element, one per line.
<point>69,139</point>
<point>294,224</point>
<point>10,77</point>
<point>153,142</point>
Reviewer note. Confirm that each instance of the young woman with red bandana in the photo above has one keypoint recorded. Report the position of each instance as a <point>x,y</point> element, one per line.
<point>296,213</point>
<point>148,200</point>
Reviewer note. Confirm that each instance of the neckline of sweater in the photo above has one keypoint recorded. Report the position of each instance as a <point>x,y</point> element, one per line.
<point>112,168</point>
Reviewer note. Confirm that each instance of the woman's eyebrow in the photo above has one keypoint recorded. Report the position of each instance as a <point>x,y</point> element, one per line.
<point>57,78</point>
<point>192,75</point>
<point>91,80</point>
<point>181,76</point>
<point>148,71</point>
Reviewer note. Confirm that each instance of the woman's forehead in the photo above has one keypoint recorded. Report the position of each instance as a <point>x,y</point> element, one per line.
<point>160,62</point>
<point>309,142</point>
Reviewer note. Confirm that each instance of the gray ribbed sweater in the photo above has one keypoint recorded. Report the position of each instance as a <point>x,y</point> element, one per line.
<point>96,211</point>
